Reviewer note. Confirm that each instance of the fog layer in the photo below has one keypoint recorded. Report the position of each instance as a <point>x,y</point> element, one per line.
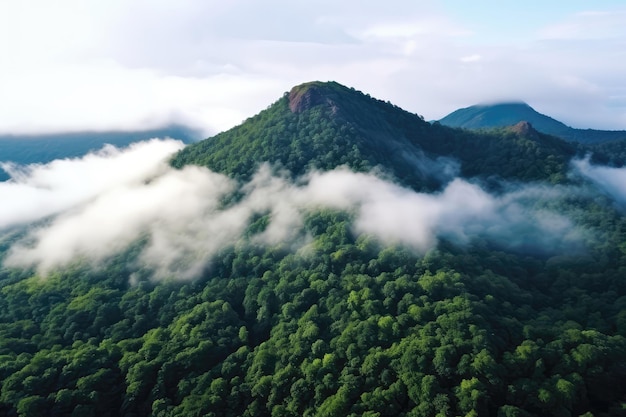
<point>94,207</point>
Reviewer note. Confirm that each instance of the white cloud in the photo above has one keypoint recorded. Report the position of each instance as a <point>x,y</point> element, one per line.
<point>181,216</point>
<point>430,26</point>
<point>37,191</point>
<point>76,65</point>
<point>107,95</point>
<point>587,25</point>
<point>471,58</point>
<point>178,210</point>
<point>462,211</point>
<point>611,180</point>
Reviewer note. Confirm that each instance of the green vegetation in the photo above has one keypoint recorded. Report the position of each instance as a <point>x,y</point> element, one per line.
<point>507,114</point>
<point>350,128</point>
<point>343,326</point>
<point>348,328</point>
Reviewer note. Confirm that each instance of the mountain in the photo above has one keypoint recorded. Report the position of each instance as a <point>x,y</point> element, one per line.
<point>325,125</point>
<point>315,125</point>
<point>309,297</point>
<point>506,114</point>
<point>503,114</point>
<point>43,148</point>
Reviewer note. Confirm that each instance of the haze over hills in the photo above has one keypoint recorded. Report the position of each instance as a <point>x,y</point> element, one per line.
<point>333,255</point>
<point>43,148</point>
<point>510,113</point>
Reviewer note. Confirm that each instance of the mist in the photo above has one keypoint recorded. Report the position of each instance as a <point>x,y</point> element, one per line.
<point>96,206</point>
<point>460,212</point>
<point>611,180</point>
<point>39,190</point>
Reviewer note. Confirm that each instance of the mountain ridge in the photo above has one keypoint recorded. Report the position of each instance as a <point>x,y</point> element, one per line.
<point>486,116</point>
<point>27,149</point>
<point>323,125</point>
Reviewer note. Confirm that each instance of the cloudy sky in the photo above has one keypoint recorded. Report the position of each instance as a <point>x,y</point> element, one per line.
<point>131,64</point>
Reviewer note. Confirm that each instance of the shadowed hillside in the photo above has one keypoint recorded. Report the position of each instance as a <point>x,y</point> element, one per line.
<point>507,114</point>
<point>325,125</point>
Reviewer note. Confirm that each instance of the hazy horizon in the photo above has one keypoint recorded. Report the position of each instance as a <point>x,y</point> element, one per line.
<point>76,65</point>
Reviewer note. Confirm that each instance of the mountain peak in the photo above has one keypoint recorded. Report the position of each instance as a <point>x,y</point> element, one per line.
<point>523,128</point>
<point>502,115</point>
<point>486,116</point>
<point>305,96</point>
<point>325,125</point>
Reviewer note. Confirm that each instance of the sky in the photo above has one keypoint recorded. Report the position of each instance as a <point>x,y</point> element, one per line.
<point>73,65</point>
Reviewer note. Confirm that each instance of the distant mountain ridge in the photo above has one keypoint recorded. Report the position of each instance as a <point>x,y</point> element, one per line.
<point>43,148</point>
<point>510,113</point>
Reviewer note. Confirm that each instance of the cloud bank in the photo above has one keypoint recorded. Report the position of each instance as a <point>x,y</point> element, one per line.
<point>460,212</point>
<point>611,180</point>
<point>96,206</point>
<point>39,190</point>
<point>81,65</point>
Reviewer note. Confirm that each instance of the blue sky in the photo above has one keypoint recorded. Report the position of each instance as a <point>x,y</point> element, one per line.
<point>516,21</point>
<point>86,64</point>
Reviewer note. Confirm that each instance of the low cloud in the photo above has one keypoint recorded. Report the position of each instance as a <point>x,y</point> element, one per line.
<point>40,190</point>
<point>460,212</point>
<point>183,217</point>
<point>611,180</point>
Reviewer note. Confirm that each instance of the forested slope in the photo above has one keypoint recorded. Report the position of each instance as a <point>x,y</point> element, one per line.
<point>342,323</point>
<point>331,125</point>
<point>352,329</point>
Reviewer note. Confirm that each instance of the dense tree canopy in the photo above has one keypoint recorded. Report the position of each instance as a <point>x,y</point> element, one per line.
<point>351,328</point>
<point>353,129</point>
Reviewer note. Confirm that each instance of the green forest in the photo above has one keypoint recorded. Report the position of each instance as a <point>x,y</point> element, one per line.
<point>344,325</point>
